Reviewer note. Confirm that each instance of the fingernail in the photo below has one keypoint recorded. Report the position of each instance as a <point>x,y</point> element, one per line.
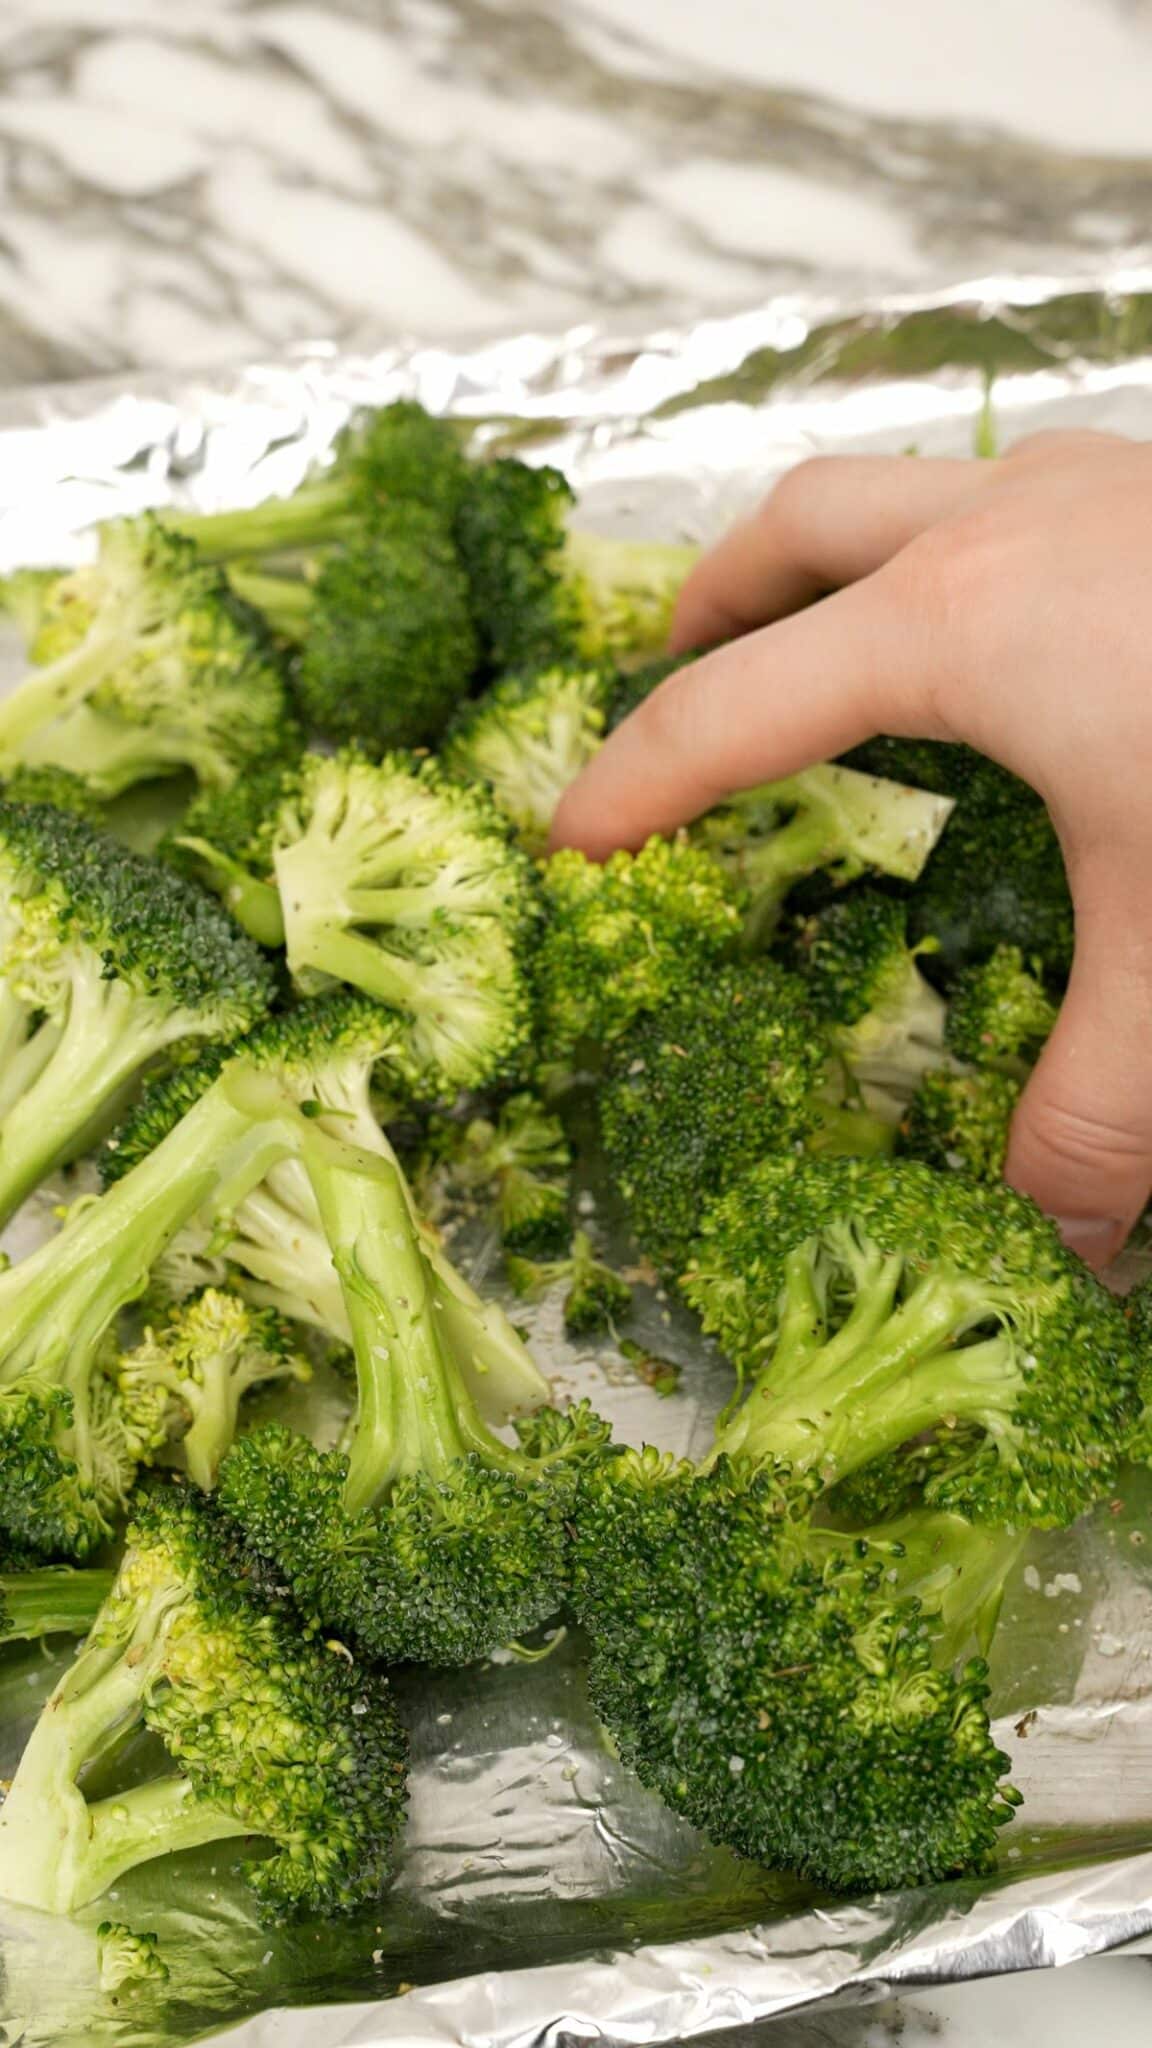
<point>1094,1239</point>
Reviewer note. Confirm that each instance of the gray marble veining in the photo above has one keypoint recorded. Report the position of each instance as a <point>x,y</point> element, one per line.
<point>193,181</point>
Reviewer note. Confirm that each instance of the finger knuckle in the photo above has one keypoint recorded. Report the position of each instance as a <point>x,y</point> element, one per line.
<point>793,502</point>
<point>1063,1134</point>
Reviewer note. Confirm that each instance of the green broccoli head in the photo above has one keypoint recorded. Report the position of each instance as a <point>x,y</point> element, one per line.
<point>389,646</point>
<point>205,1355</point>
<point>725,1071</point>
<point>128,1961</point>
<point>621,938</point>
<point>960,1121</point>
<point>876,1302</point>
<point>108,966</point>
<point>173,672</point>
<point>776,1684</point>
<point>271,1733</point>
<point>528,738</point>
<point>999,1012</point>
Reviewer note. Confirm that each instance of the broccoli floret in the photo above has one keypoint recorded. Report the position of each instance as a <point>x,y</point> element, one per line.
<point>528,738</point>
<point>595,1297</point>
<point>173,672</point>
<point>864,979</point>
<point>224,841</point>
<point>128,1961</point>
<point>48,1599</point>
<point>875,1302</point>
<point>796,1693</point>
<point>543,594</point>
<point>999,1013</point>
<point>429,1539</point>
<point>520,1160</point>
<point>621,938</point>
<point>399,882</point>
<point>269,1242</point>
<point>1138,1313</point>
<point>713,1079</point>
<point>271,1733</point>
<point>960,1122</point>
<point>829,818</point>
<point>389,648</point>
<point>997,875</point>
<point>206,1354</point>
<point>107,966</point>
<point>55,786</point>
<point>399,454</point>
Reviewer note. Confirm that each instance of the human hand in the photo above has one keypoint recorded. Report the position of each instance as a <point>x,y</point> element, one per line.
<point>1008,604</point>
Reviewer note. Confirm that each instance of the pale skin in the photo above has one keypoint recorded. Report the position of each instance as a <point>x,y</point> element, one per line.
<point>1008,604</point>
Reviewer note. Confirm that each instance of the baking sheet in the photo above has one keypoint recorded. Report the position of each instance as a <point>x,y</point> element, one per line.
<point>543,1896</point>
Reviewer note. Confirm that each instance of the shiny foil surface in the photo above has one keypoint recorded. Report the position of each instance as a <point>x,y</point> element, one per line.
<point>543,1896</point>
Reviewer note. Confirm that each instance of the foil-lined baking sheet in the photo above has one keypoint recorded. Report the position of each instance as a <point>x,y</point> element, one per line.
<point>544,1897</point>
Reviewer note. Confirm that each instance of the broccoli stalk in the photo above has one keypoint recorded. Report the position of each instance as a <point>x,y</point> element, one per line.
<point>207,1354</point>
<point>271,1735</point>
<point>430,1538</point>
<point>872,1303</point>
<point>171,673</point>
<point>828,817</point>
<point>108,965</point>
<point>795,1692</point>
<point>50,1600</point>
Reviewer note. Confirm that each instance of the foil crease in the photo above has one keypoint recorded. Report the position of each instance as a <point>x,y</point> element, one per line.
<point>544,1898</point>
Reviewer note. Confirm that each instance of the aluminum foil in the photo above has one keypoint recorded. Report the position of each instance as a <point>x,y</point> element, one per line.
<point>543,1896</point>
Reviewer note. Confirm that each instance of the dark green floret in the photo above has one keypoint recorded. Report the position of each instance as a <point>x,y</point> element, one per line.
<point>827,818</point>
<point>108,966</point>
<point>55,786</point>
<point>428,1538</point>
<point>543,594</point>
<point>800,1695</point>
<point>388,646</point>
<point>708,1083</point>
<point>595,1298</point>
<point>620,938</point>
<point>999,1012</point>
<point>869,1303</point>
<point>865,980</point>
<point>272,1735</point>
<point>960,1122</point>
<point>518,1159</point>
<point>172,672</point>
<point>528,738</point>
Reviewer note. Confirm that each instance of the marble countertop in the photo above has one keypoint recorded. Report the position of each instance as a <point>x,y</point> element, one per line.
<point>183,184</point>
<point>194,182</point>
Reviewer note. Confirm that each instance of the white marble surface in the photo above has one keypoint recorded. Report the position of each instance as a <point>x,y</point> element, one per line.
<point>187,182</point>
<point>192,181</point>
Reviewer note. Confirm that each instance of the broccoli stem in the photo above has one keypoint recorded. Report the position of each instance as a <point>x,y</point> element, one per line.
<point>156,1819</point>
<point>54,1600</point>
<point>415,1413</point>
<point>254,904</point>
<point>45,694</point>
<point>109,1037</point>
<point>317,512</point>
<point>285,601</point>
<point>26,1059</point>
<point>844,1132</point>
<point>112,754</point>
<point>887,1375</point>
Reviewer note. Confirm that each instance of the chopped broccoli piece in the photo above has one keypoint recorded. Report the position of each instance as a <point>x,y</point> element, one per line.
<point>528,738</point>
<point>621,938</point>
<point>399,882</point>
<point>996,876</point>
<point>172,672</point>
<point>1138,1312</point>
<point>207,1353</point>
<point>521,1161</point>
<point>397,455</point>
<point>865,980</point>
<point>720,1074</point>
<point>828,817</point>
<point>595,1297</point>
<point>999,1013</point>
<point>431,1539</point>
<point>796,1693</point>
<point>107,966</point>
<point>272,1734</point>
<point>269,1242</point>
<point>875,1302</point>
<point>389,648</point>
<point>961,1122</point>
<point>128,1961</point>
<point>543,594</point>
